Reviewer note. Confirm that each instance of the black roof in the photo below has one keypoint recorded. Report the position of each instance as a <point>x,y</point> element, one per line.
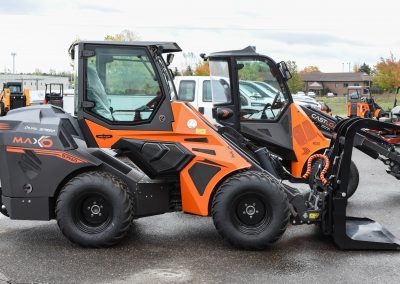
<point>335,77</point>
<point>248,51</point>
<point>166,46</point>
<point>13,84</point>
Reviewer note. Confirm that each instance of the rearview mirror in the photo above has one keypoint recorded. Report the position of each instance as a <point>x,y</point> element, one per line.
<point>284,70</point>
<point>222,113</point>
<point>170,58</point>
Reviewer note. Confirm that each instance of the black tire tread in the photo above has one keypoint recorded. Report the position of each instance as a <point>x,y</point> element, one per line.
<point>249,175</point>
<point>126,196</point>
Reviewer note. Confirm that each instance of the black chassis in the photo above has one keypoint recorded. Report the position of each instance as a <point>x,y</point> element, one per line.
<point>42,147</point>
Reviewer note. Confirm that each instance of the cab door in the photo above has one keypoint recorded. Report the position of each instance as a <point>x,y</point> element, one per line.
<point>120,88</point>
<point>255,115</point>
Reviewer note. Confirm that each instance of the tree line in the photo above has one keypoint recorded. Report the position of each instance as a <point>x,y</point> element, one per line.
<point>385,74</point>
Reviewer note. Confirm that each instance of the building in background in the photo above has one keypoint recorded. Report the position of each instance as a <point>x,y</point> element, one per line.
<point>34,82</point>
<point>337,83</point>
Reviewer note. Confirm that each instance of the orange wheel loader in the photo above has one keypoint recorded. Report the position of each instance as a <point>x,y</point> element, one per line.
<point>130,152</point>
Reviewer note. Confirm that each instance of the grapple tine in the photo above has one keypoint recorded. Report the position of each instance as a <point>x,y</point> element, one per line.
<point>353,232</point>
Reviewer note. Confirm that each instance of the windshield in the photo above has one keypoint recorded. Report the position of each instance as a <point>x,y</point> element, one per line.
<point>260,77</point>
<point>123,83</point>
<point>220,88</point>
<point>53,89</point>
<point>15,89</point>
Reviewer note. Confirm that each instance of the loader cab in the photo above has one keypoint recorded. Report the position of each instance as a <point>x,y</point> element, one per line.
<point>14,87</point>
<point>280,125</point>
<point>122,86</point>
<point>54,94</point>
<point>266,125</point>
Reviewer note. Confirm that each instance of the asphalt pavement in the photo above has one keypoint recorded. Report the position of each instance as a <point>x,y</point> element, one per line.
<point>180,248</point>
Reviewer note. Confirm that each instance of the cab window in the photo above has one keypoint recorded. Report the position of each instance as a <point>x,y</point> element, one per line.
<point>207,95</point>
<point>258,82</point>
<point>187,90</point>
<point>122,84</point>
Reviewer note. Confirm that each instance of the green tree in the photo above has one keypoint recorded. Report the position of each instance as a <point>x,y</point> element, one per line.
<point>125,35</point>
<point>365,68</point>
<point>295,83</point>
<point>188,71</point>
<point>176,72</point>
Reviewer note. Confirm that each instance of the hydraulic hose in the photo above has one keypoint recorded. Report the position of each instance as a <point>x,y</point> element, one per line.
<point>324,170</point>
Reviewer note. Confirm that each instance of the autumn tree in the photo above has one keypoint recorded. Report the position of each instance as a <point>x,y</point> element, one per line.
<point>295,83</point>
<point>125,35</point>
<point>310,69</point>
<point>202,69</point>
<point>387,73</point>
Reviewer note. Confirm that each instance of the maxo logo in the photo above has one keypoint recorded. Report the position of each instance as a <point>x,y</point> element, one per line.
<point>42,142</point>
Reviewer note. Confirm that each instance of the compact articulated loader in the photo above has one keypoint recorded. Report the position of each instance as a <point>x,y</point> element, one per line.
<point>54,94</point>
<point>282,126</point>
<point>362,106</point>
<point>166,157</point>
<point>13,96</point>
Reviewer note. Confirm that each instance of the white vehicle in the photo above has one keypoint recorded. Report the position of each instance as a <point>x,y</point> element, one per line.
<point>197,91</point>
<point>300,93</point>
<point>306,101</point>
<point>330,95</point>
<point>311,94</point>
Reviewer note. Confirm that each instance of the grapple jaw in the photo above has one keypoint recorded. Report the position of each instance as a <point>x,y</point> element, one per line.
<point>353,232</point>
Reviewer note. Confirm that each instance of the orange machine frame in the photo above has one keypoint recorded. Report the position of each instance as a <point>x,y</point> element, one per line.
<point>188,123</point>
<point>306,138</point>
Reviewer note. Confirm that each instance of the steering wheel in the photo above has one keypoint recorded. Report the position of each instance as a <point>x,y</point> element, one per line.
<point>268,105</point>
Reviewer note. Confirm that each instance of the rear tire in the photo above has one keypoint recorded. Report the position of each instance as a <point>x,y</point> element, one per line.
<point>354,177</point>
<point>250,210</point>
<point>94,209</point>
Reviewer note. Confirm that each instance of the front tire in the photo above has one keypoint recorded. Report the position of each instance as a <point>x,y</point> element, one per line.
<point>94,209</point>
<point>250,210</point>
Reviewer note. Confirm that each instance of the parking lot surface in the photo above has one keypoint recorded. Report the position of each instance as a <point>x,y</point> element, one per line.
<point>178,248</point>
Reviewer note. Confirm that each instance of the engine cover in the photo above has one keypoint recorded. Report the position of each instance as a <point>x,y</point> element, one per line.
<point>39,147</point>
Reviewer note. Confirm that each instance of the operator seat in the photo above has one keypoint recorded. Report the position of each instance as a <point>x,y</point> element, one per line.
<point>97,94</point>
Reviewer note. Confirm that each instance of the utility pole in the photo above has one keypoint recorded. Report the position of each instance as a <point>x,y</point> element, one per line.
<point>13,54</point>
<point>349,66</point>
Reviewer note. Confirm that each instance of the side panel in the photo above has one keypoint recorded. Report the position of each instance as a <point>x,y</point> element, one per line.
<point>198,138</point>
<point>307,139</point>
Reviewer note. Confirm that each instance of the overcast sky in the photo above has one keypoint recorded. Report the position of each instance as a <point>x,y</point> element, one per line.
<point>321,33</point>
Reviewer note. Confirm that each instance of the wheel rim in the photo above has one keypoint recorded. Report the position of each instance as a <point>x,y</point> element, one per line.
<point>92,213</point>
<point>251,214</point>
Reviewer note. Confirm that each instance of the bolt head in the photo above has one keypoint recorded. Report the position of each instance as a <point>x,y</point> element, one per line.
<point>344,194</point>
